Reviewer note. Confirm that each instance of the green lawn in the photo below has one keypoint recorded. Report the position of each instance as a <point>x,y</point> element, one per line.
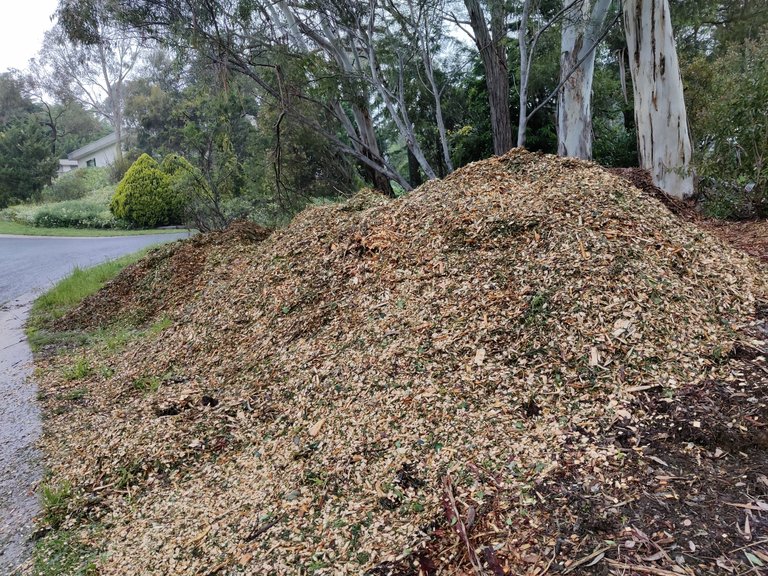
<point>28,230</point>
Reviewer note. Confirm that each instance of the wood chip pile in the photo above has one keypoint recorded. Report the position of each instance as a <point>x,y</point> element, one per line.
<point>503,372</point>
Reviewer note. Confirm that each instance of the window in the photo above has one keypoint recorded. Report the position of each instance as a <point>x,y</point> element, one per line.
<point>91,163</point>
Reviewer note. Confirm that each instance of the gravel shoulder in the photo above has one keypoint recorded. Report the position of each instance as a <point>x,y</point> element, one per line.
<point>20,427</point>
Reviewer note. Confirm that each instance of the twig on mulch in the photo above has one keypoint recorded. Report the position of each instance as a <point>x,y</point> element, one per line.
<point>453,516</point>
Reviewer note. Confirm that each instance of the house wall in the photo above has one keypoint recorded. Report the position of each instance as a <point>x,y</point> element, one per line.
<point>103,157</point>
<point>67,166</point>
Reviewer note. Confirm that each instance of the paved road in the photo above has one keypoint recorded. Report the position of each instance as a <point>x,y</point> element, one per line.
<point>29,265</point>
<point>34,263</point>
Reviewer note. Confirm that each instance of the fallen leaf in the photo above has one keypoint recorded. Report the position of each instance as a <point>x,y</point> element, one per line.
<point>315,428</point>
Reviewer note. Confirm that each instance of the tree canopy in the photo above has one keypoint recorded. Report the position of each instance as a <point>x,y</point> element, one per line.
<point>315,100</point>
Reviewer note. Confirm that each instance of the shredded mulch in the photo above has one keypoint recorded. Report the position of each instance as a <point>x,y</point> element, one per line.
<point>529,367</point>
<point>748,236</point>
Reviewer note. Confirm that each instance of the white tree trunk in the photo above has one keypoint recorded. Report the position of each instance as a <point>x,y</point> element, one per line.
<point>525,69</point>
<point>580,32</point>
<point>662,126</point>
<point>419,21</point>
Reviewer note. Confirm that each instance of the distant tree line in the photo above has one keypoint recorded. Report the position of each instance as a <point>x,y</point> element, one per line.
<point>275,103</point>
<point>35,131</point>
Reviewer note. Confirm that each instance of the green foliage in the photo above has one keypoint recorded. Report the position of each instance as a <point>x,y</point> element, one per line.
<point>14,104</point>
<point>731,131</point>
<point>60,553</point>
<point>722,201</point>
<point>55,499</point>
<point>75,214</point>
<point>71,126</point>
<point>26,160</point>
<point>147,384</point>
<point>144,196</point>
<point>70,291</point>
<point>80,369</point>
<point>613,121</point>
<point>120,166</point>
<point>90,211</point>
<point>176,166</point>
<point>75,184</point>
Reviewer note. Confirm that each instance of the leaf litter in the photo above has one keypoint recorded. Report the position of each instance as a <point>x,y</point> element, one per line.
<point>528,367</point>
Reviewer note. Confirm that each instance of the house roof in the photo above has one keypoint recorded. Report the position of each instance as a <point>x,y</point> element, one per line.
<point>105,142</point>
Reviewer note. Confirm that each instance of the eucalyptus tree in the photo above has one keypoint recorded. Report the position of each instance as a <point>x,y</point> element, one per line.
<point>420,30</point>
<point>93,74</point>
<point>664,144</point>
<point>489,33</point>
<point>582,29</point>
<point>348,32</point>
<point>347,77</point>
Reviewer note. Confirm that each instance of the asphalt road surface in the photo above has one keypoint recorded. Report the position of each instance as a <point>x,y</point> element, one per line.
<point>31,264</point>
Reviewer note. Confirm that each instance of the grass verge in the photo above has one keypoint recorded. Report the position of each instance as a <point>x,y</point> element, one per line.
<point>67,294</point>
<point>28,230</point>
<point>60,553</point>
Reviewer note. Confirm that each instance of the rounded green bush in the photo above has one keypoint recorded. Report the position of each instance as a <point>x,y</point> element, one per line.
<point>186,180</point>
<point>144,196</point>
<point>175,164</point>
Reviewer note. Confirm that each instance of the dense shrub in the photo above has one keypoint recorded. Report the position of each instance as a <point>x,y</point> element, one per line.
<point>144,196</point>
<point>732,131</point>
<point>732,200</point>
<point>203,208</point>
<point>176,166</point>
<point>91,211</point>
<point>75,214</point>
<point>75,184</point>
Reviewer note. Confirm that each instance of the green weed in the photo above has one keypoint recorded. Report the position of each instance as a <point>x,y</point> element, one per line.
<point>77,394</point>
<point>62,554</point>
<point>147,384</point>
<point>69,292</point>
<point>162,324</point>
<point>55,500</point>
<point>538,308</point>
<point>80,369</point>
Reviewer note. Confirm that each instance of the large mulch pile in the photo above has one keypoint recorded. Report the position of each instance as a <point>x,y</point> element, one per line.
<point>529,367</point>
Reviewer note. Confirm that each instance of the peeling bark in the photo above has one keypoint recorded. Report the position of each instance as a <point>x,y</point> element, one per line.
<point>580,33</point>
<point>663,140</point>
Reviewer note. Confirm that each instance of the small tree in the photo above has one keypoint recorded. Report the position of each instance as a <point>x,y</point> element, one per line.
<point>144,196</point>
<point>26,163</point>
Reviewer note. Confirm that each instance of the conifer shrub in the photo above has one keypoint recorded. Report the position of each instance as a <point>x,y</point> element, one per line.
<point>176,166</point>
<point>144,197</point>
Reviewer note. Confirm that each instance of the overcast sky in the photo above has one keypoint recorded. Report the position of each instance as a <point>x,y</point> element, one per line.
<point>22,25</point>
